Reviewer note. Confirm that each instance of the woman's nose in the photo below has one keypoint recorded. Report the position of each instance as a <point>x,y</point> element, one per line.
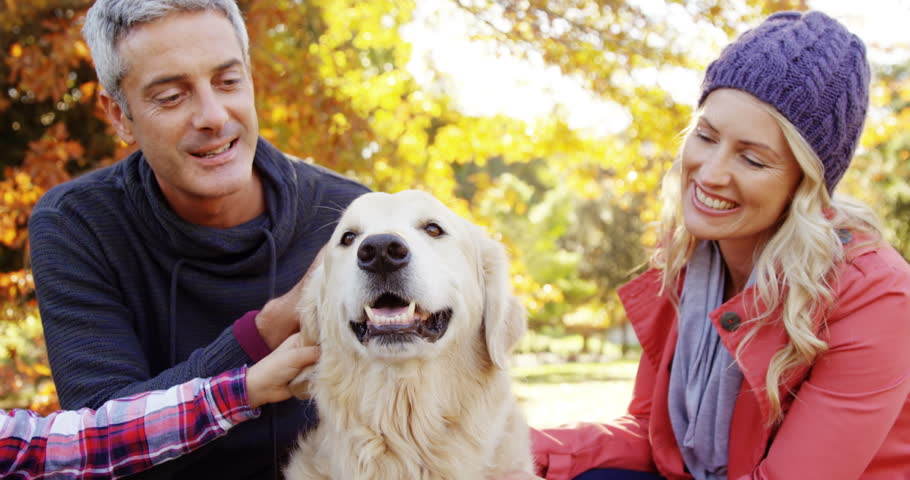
<point>715,167</point>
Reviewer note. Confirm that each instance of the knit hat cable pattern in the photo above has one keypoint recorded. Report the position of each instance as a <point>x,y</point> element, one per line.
<point>813,71</point>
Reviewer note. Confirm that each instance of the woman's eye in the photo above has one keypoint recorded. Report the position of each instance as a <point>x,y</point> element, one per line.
<point>348,238</point>
<point>434,230</point>
<point>753,162</point>
<point>701,135</point>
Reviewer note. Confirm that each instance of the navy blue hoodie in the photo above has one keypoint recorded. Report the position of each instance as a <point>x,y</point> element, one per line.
<point>134,298</point>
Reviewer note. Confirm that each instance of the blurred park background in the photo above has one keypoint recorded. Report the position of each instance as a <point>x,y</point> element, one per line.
<point>550,122</point>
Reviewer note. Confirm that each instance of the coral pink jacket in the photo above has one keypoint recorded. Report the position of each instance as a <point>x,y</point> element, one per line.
<point>848,417</point>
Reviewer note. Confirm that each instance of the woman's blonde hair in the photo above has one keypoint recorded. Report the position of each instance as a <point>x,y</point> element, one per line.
<point>793,266</point>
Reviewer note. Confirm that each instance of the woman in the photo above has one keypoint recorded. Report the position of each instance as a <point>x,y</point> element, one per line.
<point>774,321</point>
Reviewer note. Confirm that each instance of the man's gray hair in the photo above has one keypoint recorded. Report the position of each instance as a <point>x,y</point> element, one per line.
<point>109,21</point>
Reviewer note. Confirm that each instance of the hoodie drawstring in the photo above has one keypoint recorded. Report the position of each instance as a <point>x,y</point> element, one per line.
<point>172,311</point>
<point>273,265</point>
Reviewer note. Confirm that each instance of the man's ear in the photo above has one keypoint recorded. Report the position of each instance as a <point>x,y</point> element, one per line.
<point>118,118</point>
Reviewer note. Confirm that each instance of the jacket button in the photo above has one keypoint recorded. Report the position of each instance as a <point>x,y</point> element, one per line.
<point>845,236</point>
<point>730,321</point>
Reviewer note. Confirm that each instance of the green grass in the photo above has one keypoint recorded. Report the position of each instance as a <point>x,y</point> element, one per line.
<point>557,394</point>
<point>616,371</point>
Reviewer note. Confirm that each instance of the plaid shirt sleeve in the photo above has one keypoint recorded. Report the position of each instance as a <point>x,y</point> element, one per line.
<point>125,435</point>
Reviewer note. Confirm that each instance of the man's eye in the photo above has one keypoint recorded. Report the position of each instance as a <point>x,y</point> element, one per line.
<point>348,238</point>
<point>168,100</point>
<point>230,82</point>
<point>434,230</point>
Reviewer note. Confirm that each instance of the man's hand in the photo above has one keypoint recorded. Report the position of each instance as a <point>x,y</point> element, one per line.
<point>278,318</point>
<point>267,380</point>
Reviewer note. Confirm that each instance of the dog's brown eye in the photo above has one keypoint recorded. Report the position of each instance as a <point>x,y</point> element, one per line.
<point>434,230</point>
<point>348,238</point>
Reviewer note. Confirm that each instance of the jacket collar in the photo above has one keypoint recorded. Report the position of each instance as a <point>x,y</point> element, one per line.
<point>654,318</point>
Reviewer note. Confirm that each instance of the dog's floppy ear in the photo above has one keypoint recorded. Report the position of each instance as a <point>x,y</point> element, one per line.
<point>504,318</point>
<point>308,311</point>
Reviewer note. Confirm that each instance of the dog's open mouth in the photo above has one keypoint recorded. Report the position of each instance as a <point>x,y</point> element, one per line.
<point>392,319</point>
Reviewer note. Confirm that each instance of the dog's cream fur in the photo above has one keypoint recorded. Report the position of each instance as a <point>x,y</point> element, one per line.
<point>413,410</point>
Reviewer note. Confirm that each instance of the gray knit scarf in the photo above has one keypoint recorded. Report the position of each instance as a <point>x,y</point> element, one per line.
<point>704,378</point>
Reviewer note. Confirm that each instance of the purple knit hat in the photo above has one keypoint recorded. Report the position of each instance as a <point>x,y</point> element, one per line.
<point>812,70</point>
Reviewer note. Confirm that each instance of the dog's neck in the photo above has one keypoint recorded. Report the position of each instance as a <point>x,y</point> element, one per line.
<point>395,390</point>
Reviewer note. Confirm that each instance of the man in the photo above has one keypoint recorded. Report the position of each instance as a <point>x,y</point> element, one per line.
<point>151,272</point>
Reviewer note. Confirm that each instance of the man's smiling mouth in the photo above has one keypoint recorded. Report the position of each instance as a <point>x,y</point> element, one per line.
<point>217,151</point>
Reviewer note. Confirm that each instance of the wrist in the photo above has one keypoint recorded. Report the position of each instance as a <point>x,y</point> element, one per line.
<point>229,396</point>
<point>246,331</point>
<point>253,391</point>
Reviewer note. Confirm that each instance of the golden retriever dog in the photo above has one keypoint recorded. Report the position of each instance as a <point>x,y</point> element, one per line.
<point>415,317</point>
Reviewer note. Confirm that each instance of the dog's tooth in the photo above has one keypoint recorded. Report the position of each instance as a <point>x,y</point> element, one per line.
<point>369,313</point>
<point>411,309</point>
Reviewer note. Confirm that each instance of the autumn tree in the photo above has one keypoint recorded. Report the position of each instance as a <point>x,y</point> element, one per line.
<point>50,131</point>
<point>333,86</point>
<point>881,176</point>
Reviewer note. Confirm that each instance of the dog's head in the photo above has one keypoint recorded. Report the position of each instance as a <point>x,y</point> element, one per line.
<point>403,277</point>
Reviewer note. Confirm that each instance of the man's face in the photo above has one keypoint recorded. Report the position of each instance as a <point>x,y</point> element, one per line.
<point>190,96</point>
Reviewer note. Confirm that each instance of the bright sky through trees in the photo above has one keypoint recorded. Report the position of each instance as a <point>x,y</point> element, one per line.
<point>486,80</point>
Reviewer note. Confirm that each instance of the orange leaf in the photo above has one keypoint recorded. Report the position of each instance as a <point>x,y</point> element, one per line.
<point>88,89</point>
<point>81,49</point>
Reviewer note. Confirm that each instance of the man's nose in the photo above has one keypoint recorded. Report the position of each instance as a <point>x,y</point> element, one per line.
<point>210,112</point>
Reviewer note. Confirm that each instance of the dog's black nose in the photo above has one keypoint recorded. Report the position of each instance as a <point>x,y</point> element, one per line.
<point>383,253</point>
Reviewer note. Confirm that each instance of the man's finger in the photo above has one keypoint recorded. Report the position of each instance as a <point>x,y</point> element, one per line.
<point>308,355</point>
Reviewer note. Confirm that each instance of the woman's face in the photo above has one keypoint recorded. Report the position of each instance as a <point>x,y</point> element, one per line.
<point>738,173</point>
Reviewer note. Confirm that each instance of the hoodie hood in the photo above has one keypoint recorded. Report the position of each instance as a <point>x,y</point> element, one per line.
<point>206,248</point>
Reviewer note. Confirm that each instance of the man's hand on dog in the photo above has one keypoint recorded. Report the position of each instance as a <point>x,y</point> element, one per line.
<point>278,319</point>
<point>267,380</point>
